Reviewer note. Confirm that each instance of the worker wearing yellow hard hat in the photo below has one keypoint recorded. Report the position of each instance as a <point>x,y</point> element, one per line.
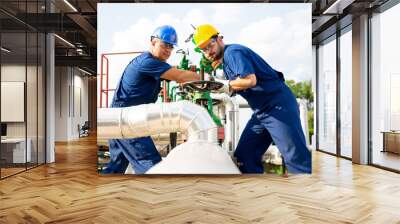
<point>276,114</point>
<point>203,34</point>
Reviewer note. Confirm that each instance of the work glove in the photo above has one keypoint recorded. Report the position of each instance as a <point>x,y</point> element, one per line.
<point>226,88</point>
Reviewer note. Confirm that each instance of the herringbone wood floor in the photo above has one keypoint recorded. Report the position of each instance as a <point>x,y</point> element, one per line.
<point>71,191</point>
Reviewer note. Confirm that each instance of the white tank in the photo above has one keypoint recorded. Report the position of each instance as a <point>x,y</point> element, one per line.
<point>198,157</point>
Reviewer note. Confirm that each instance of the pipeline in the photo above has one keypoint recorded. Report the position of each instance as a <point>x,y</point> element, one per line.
<point>304,118</point>
<point>149,119</point>
<point>232,120</point>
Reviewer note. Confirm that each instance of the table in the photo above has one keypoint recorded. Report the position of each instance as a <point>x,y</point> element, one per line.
<point>13,150</point>
<point>391,141</point>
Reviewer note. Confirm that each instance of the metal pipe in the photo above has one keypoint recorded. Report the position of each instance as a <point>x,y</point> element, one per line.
<point>302,103</point>
<point>236,134</point>
<point>201,73</point>
<point>232,120</point>
<point>150,119</point>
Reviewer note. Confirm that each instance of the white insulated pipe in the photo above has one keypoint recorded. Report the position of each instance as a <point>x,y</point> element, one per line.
<point>303,118</point>
<point>149,119</point>
<point>232,120</point>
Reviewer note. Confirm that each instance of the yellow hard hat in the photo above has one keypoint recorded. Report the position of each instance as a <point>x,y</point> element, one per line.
<point>203,33</point>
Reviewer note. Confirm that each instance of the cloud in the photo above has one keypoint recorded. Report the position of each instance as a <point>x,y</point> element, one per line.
<point>195,17</point>
<point>284,41</point>
<point>225,14</point>
<point>265,30</point>
<point>135,38</point>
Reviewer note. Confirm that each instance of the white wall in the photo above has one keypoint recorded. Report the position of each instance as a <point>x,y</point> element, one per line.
<point>13,73</point>
<point>71,102</point>
<point>61,103</point>
<point>33,126</point>
<point>80,110</point>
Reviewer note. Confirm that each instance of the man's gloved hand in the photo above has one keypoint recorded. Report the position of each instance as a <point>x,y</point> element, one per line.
<point>226,88</point>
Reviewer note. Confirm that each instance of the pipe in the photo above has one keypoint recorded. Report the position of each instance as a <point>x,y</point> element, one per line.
<point>236,133</point>
<point>149,119</point>
<point>195,158</point>
<point>201,73</point>
<point>302,103</point>
<point>232,120</point>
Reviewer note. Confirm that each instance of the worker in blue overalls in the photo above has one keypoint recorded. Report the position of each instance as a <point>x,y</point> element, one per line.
<point>140,84</point>
<point>276,116</point>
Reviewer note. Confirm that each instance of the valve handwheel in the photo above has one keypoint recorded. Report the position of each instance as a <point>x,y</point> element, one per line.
<point>201,86</point>
<point>205,102</point>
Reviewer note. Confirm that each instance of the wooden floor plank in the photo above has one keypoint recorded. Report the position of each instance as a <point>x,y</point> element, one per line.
<point>71,191</point>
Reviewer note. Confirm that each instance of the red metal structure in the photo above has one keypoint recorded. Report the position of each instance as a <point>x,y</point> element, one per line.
<point>104,75</point>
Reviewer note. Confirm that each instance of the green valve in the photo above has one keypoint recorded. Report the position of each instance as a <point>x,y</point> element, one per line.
<point>184,64</point>
<point>207,65</point>
<point>204,99</point>
<point>199,96</point>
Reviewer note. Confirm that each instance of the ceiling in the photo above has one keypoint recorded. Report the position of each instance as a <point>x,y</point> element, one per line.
<point>76,22</point>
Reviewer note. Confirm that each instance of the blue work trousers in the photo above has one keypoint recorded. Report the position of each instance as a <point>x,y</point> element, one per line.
<point>280,123</point>
<point>140,152</point>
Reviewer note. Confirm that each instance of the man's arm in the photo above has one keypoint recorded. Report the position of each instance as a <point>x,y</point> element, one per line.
<point>179,75</point>
<point>243,83</point>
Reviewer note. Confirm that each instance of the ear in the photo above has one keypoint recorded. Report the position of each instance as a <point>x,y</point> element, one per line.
<point>153,41</point>
<point>219,39</point>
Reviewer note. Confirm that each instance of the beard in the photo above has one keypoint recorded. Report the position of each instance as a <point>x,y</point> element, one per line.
<point>218,54</point>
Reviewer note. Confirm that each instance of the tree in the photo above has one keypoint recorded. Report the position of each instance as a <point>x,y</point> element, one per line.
<point>303,90</point>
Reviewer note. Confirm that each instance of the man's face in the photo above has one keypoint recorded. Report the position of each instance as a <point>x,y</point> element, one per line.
<point>161,49</point>
<point>213,50</point>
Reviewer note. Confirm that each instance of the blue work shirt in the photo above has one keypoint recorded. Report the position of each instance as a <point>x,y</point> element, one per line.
<point>140,82</point>
<point>241,61</point>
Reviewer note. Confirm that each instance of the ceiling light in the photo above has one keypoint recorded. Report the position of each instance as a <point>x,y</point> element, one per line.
<point>70,5</point>
<point>5,50</point>
<point>64,40</point>
<point>338,6</point>
<point>84,71</point>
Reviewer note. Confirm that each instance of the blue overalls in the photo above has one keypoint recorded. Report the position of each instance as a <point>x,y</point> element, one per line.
<point>139,84</point>
<point>276,116</point>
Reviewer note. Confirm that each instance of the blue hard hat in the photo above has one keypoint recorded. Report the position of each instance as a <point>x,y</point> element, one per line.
<point>167,34</point>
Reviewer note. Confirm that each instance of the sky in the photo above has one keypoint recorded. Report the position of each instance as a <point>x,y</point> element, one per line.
<point>279,33</point>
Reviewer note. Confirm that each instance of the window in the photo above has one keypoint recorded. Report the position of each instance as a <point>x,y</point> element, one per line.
<point>385,89</point>
<point>346,93</point>
<point>22,76</point>
<point>327,96</point>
